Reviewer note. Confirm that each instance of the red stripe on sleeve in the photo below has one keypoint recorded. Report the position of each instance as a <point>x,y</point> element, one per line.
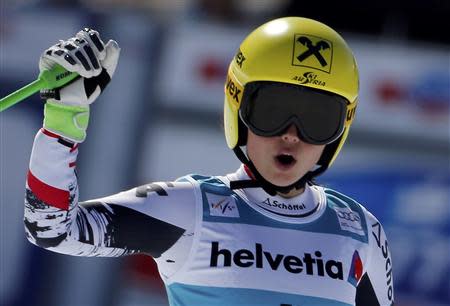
<point>48,133</point>
<point>52,196</point>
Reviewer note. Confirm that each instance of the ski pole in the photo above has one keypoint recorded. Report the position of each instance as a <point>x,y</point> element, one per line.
<point>47,79</point>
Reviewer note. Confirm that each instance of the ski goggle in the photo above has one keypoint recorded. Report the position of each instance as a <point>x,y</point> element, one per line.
<point>269,108</point>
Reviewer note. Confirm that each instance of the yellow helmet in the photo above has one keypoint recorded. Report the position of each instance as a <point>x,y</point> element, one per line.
<point>297,51</point>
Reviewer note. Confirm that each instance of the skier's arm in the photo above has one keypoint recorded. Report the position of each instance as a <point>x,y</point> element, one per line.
<point>147,219</point>
<point>125,223</point>
<point>376,286</point>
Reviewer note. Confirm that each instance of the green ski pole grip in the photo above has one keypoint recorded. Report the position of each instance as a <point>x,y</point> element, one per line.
<point>49,79</point>
<point>56,77</point>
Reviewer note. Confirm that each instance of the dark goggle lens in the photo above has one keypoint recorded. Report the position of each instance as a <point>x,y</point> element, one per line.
<point>269,109</point>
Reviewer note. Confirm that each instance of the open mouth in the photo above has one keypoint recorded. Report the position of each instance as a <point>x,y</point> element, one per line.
<point>285,159</point>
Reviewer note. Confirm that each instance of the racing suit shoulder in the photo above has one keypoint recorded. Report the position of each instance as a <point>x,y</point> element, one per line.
<point>376,284</point>
<point>341,200</point>
<point>349,215</point>
<point>376,287</point>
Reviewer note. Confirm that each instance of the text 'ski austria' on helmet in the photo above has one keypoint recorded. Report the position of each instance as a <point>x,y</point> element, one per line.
<point>295,51</point>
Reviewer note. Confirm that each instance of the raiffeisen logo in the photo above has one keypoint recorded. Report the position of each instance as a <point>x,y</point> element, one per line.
<point>311,264</point>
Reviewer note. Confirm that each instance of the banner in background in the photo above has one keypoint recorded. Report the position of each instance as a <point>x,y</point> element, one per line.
<point>404,89</point>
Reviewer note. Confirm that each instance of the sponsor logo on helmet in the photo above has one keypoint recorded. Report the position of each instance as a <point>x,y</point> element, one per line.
<point>233,90</point>
<point>351,113</point>
<point>309,78</point>
<point>311,264</point>
<point>240,58</point>
<point>313,52</point>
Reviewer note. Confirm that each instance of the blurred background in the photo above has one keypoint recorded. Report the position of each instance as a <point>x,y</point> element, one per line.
<point>160,118</point>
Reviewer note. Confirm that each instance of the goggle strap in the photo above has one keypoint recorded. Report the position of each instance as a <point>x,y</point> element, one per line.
<point>244,184</point>
<point>259,182</point>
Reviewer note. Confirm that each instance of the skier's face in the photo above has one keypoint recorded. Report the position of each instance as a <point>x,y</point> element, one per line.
<point>284,159</point>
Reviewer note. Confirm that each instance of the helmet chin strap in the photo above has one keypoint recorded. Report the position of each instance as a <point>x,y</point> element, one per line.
<point>261,182</point>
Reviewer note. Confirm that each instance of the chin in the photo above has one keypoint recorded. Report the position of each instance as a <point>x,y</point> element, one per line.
<point>283,180</point>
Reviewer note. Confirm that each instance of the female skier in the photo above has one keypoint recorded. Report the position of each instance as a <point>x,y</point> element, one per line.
<point>263,235</point>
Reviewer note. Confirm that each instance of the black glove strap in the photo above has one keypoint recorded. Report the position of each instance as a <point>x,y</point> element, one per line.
<point>101,80</point>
